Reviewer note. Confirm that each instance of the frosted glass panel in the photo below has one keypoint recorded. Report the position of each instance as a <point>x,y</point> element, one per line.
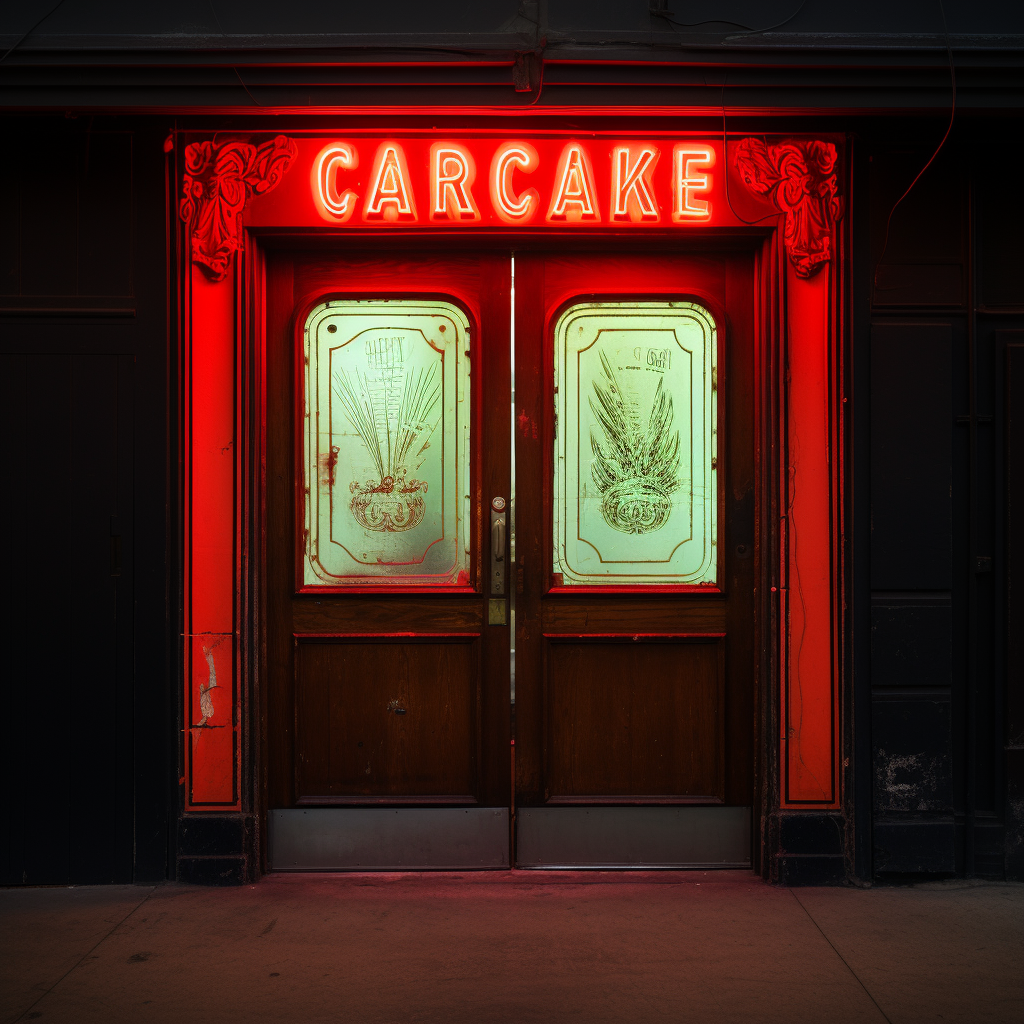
<point>386,443</point>
<point>635,492</point>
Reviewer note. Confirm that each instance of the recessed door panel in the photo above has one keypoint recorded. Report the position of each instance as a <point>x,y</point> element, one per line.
<point>387,382</point>
<point>635,720</point>
<point>384,719</point>
<point>635,542</point>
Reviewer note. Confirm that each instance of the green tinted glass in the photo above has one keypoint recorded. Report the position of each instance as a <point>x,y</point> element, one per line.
<point>386,439</point>
<point>635,475</point>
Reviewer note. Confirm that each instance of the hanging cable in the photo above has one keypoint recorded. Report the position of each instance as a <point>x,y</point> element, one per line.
<point>931,159</point>
<point>725,158</point>
<point>666,15</point>
<point>31,30</point>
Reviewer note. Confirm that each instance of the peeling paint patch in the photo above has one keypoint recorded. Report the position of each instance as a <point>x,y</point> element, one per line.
<point>210,723</point>
<point>909,782</point>
<point>206,707</point>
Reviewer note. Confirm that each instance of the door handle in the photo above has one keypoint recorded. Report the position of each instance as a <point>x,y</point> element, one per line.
<point>498,539</point>
<point>499,526</point>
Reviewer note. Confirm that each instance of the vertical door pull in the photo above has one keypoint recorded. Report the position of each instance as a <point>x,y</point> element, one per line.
<point>498,533</point>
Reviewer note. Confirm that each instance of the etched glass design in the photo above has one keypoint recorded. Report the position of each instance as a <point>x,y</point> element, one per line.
<point>635,467</point>
<point>386,443</point>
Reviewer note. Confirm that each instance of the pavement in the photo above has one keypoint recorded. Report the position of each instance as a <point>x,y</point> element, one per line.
<point>518,946</point>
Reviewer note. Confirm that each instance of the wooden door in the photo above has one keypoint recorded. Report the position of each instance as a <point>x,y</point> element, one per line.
<point>387,665</point>
<point>634,558</point>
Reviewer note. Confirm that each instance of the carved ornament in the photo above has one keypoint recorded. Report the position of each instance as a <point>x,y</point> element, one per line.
<point>798,177</point>
<point>219,180</point>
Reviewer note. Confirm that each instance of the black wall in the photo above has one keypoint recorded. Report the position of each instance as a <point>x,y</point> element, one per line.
<point>86,684</point>
<point>946,319</point>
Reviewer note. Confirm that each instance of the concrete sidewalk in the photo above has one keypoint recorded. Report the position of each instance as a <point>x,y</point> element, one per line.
<point>513,946</point>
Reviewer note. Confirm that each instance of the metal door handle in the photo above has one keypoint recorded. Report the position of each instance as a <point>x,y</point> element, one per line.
<point>499,522</point>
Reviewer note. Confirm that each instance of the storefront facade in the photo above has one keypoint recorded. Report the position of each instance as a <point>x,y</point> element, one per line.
<point>515,473</point>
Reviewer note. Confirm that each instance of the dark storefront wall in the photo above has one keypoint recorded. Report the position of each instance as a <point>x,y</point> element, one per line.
<point>933,713</point>
<point>945,337</point>
<point>944,729</point>
<point>88,705</point>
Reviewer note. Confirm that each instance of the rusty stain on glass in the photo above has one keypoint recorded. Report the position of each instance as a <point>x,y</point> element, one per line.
<point>635,468</point>
<point>386,437</point>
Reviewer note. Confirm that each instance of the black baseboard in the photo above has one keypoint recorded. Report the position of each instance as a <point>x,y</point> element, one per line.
<point>217,849</point>
<point>795,870</point>
<point>914,847</point>
<point>805,848</point>
<point>214,870</point>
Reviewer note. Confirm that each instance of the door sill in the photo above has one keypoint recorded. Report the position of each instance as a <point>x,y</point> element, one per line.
<point>389,839</point>
<point>608,838</point>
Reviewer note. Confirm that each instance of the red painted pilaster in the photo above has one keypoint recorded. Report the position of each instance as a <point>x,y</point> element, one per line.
<point>211,719</point>
<point>809,697</point>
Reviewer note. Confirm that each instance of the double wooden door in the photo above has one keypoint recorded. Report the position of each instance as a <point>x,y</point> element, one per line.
<point>401,550</point>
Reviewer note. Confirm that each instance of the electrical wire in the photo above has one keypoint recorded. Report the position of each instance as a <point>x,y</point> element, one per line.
<point>31,30</point>
<point>540,85</point>
<point>220,29</point>
<point>725,157</point>
<point>666,15</point>
<point>770,28</point>
<point>931,159</point>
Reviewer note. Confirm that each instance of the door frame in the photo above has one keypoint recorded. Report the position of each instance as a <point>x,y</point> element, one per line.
<point>800,436</point>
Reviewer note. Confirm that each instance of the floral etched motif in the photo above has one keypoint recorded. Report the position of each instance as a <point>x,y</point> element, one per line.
<point>390,410</point>
<point>798,176</point>
<point>636,469</point>
<point>390,506</point>
<point>218,181</point>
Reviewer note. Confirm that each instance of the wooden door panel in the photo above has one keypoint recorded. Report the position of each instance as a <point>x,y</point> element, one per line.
<point>334,660</point>
<point>571,613</point>
<point>635,719</point>
<point>381,719</point>
<point>588,711</point>
<point>384,614</point>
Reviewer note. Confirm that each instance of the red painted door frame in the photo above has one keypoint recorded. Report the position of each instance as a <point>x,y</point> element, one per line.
<point>783,193</point>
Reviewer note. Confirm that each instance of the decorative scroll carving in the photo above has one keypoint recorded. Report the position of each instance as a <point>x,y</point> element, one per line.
<point>218,181</point>
<point>798,176</point>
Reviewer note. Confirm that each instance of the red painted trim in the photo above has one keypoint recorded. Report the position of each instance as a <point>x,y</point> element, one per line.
<point>809,719</point>
<point>462,800</point>
<point>633,636</point>
<point>809,695</point>
<point>385,589</point>
<point>308,637</point>
<point>211,694</point>
<point>613,800</point>
<point>636,588</point>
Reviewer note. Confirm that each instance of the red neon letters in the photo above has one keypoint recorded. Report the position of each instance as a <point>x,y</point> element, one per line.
<point>546,182</point>
<point>507,205</point>
<point>573,200</point>
<point>390,198</point>
<point>688,181</point>
<point>332,159</point>
<point>632,194</point>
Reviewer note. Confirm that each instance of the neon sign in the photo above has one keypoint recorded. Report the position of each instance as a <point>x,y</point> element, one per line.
<point>543,182</point>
